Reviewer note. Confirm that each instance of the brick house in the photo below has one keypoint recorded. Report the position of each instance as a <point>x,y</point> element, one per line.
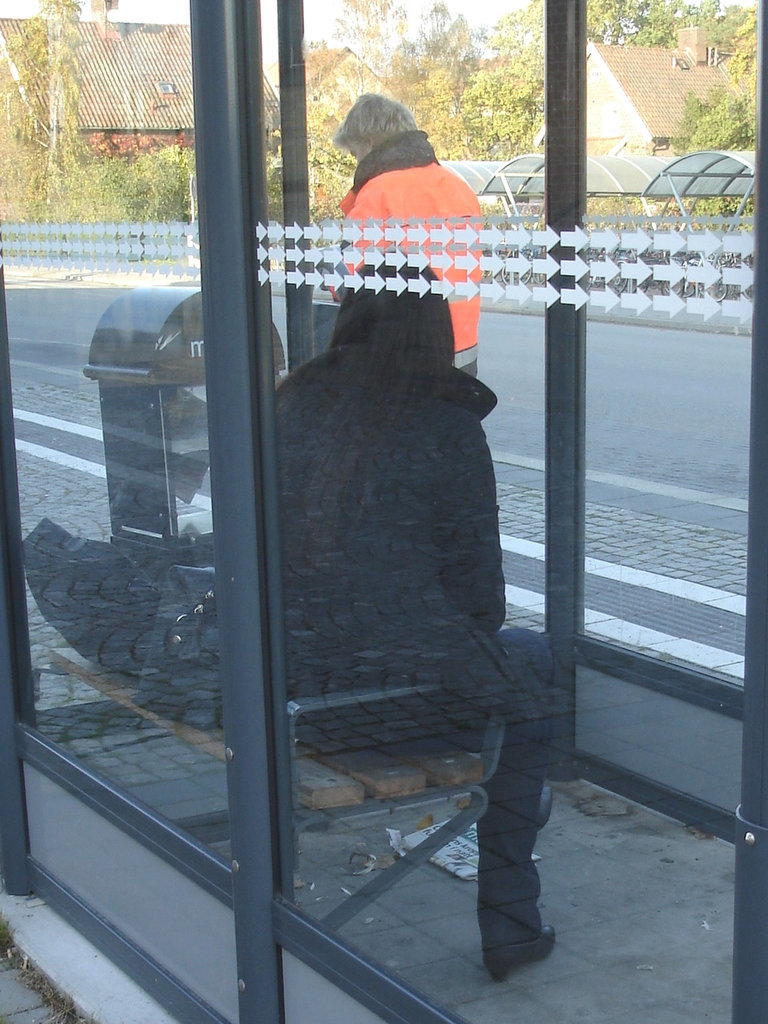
<point>135,82</point>
<point>636,95</point>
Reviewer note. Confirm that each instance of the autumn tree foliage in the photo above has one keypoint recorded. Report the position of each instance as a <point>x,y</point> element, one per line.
<point>504,108</point>
<point>431,74</point>
<point>727,119</point>
<point>478,93</point>
<point>41,137</point>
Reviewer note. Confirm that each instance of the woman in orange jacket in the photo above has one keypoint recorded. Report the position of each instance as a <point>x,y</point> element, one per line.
<point>399,178</point>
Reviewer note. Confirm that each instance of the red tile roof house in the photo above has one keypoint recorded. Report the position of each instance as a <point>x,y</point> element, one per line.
<point>636,95</point>
<point>135,82</point>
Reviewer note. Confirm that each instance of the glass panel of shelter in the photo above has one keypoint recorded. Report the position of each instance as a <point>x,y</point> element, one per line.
<point>107,352</point>
<point>407,710</point>
<point>667,412</point>
<point>395,728</point>
<point>667,453</point>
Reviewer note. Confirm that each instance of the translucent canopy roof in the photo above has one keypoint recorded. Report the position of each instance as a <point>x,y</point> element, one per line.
<point>707,173</point>
<point>606,175</point>
<point>476,173</point>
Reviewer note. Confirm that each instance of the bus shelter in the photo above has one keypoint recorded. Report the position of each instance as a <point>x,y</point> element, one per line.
<point>251,852</point>
<point>476,173</point>
<point>522,178</point>
<point>707,174</point>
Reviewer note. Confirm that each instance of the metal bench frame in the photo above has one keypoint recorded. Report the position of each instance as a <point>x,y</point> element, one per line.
<point>382,881</point>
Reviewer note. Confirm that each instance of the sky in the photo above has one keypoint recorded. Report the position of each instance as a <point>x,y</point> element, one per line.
<point>319,15</point>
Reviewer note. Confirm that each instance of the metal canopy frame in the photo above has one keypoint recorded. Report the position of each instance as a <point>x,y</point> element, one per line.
<point>523,177</point>
<point>606,175</point>
<point>705,174</point>
<point>476,173</point>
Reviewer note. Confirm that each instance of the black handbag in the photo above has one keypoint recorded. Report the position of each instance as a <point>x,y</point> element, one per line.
<point>180,680</point>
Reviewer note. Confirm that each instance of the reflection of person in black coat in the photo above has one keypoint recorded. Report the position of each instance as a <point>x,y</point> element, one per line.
<point>392,566</point>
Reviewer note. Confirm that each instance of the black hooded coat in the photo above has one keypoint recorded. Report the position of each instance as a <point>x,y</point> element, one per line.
<point>391,558</point>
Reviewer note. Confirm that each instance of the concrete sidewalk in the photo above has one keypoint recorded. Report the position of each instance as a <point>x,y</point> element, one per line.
<point>100,992</point>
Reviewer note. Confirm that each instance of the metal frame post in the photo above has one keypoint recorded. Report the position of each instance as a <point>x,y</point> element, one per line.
<point>15,664</point>
<point>293,122</point>
<point>750,950</point>
<point>565,344</point>
<point>237,327</point>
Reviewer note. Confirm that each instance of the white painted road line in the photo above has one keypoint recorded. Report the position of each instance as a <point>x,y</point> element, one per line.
<point>697,592</point>
<point>632,635</point>
<point>67,426</point>
<point>62,459</point>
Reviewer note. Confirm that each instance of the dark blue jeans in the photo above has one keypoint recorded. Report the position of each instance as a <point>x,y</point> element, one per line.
<point>508,882</point>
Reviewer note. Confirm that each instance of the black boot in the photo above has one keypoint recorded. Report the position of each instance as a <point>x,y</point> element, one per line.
<point>502,960</point>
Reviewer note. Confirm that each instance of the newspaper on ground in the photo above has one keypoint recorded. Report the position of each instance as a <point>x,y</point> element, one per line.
<point>459,856</point>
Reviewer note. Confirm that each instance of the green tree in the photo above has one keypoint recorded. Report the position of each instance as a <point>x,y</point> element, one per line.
<point>663,18</point>
<point>504,102</point>
<point>660,23</point>
<point>519,38</point>
<point>155,186</point>
<point>656,22</point>
<point>722,121</point>
<point>44,55</point>
<point>727,24</point>
<point>743,65</point>
<point>430,74</point>
<point>727,119</point>
<point>615,21</point>
<point>504,115</point>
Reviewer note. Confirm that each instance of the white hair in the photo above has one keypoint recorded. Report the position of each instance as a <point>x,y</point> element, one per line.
<point>371,120</point>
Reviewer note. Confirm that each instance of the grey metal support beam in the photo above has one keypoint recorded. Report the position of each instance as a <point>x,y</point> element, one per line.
<point>15,665</point>
<point>565,342</point>
<point>750,959</point>
<point>227,63</point>
<point>293,121</point>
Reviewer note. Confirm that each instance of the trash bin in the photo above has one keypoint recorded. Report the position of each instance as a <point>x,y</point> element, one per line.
<point>147,354</point>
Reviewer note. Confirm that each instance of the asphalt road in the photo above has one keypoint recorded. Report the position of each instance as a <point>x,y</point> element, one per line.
<point>50,330</point>
<point>664,405</point>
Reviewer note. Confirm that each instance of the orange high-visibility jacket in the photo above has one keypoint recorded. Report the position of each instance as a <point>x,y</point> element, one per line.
<point>402,180</point>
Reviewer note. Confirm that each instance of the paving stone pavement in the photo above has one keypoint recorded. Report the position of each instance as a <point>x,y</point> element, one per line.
<point>20,1004</point>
